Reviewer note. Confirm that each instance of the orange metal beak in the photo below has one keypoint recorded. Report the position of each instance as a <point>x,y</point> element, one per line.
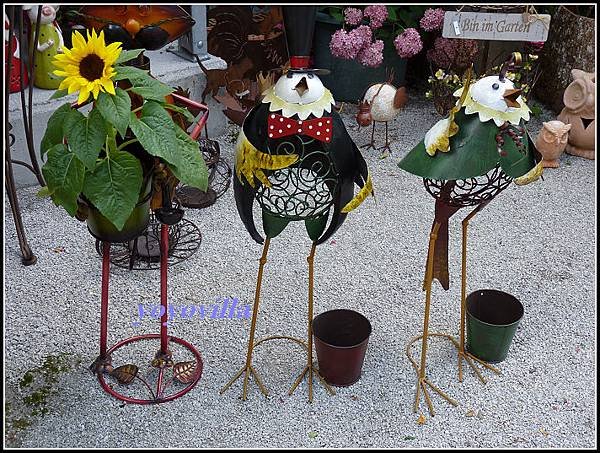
<point>510,97</point>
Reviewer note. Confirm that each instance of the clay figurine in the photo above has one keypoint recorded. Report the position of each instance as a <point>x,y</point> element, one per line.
<point>551,142</point>
<point>580,103</point>
<point>49,43</point>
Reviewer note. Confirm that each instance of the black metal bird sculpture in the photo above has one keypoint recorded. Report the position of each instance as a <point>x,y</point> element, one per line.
<point>296,159</point>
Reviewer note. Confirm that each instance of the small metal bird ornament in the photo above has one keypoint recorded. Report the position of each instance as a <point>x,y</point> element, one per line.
<point>295,158</point>
<point>381,102</point>
<point>465,160</point>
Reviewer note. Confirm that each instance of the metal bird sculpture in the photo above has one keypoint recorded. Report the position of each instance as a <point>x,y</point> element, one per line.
<point>382,102</point>
<point>465,160</point>
<point>295,158</point>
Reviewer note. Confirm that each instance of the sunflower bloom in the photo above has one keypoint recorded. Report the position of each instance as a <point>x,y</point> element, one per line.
<point>88,66</point>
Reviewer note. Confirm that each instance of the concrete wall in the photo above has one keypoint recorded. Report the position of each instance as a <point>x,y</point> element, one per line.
<point>165,66</point>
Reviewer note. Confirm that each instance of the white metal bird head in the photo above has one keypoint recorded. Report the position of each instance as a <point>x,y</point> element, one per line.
<point>496,92</point>
<point>299,87</point>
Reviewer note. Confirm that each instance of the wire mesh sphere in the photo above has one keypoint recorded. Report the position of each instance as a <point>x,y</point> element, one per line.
<point>471,191</point>
<point>143,252</point>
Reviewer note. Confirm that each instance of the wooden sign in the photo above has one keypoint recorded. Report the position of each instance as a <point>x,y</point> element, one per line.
<point>496,26</point>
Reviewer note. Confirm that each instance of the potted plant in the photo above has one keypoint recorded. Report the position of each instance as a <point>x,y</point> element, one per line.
<point>99,164</point>
<point>361,44</point>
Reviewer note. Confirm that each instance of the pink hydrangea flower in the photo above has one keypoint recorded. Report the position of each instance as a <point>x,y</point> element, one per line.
<point>377,15</point>
<point>362,36</point>
<point>408,43</point>
<point>433,19</point>
<point>372,55</point>
<point>353,16</point>
<point>345,45</point>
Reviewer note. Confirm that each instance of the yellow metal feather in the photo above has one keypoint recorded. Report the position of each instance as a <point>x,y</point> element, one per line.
<point>360,196</point>
<point>251,162</point>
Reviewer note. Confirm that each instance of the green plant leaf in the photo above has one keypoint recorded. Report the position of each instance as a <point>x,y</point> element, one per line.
<point>127,55</point>
<point>115,109</point>
<point>44,192</point>
<point>130,73</point>
<point>156,132</point>
<point>59,94</point>
<point>185,112</point>
<point>54,130</point>
<point>392,13</point>
<point>114,186</point>
<point>85,135</point>
<point>64,173</point>
<point>151,89</point>
<point>192,170</point>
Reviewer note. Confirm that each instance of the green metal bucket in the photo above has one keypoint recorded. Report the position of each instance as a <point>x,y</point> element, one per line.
<point>492,320</point>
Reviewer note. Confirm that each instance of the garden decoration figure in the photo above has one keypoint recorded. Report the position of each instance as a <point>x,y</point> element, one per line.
<point>465,160</point>
<point>381,102</point>
<point>149,27</point>
<point>48,45</point>
<point>100,167</point>
<point>580,113</point>
<point>551,142</point>
<point>15,64</point>
<point>296,159</point>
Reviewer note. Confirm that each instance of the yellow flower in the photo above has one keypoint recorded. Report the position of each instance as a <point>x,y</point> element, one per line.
<point>88,66</point>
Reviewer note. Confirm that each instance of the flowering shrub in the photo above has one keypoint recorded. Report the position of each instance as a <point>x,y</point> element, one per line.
<point>363,34</point>
<point>455,54</point>
<point>432,20</point>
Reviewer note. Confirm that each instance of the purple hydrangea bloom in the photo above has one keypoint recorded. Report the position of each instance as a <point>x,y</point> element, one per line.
<point>377,15</point>
<point>353,16</point>
<point>408,43</point>
<point>457,54</point>
<point>345,46</point>
<point>362,36</point>
<point>372,55</point>
<point>433,19</point>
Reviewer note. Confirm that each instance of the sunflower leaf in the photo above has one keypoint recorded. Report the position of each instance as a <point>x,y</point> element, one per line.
<point>130,73</point>
<point>85,135</point>
<point>127,55</point>
<point>185,112</point>
<point>151,89</point>
<point>156,132</point>
<point>54,130</point>
<point>115,109</point>
<point>192,170</point>
<point>59,94</point>
<point>114,186</point>
<point>64,173</point>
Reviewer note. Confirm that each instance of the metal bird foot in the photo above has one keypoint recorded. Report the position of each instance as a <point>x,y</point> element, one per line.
<point>309,370</point>
<point>386,151</point>
<point>246,371</point>
<point>422,384</point>
<point>470,359</point>
<point>370,145</point>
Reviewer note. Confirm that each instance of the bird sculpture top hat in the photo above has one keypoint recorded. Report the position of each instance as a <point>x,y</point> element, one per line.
<point>299,26</point>
<point>294,155</point>
<point>486,128</point>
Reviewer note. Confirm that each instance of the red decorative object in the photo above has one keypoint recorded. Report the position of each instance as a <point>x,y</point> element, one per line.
<point>318,128</point>
<point>15,65</point>
<point>299,62</point>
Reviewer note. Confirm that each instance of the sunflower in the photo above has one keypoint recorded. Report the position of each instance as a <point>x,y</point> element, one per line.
<point>88,66</point>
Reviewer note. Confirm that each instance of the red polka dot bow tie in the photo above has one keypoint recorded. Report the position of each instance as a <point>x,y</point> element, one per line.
<point>318,128</point>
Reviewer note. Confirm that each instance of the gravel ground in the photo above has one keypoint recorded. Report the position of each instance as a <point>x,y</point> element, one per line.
<point>536,242</point>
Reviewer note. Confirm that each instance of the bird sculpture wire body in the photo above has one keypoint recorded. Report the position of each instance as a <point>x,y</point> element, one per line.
<point>381,102</point>
<point>465,160</point>
<point>295,158</point>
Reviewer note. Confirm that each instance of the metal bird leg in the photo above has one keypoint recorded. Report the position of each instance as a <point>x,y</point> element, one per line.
<point>371,144</point>
<point>248,368</point>
<point>386,148</point>
<point>463,308</point>
<point>309,369</point>
<point>422,381</point>
<point>443,212</point>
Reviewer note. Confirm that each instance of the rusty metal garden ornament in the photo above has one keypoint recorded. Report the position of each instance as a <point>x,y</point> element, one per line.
<point>465,160</point>
<point>295,158</point>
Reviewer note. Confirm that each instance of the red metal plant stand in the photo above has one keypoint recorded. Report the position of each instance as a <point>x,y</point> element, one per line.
<point>187,373</point>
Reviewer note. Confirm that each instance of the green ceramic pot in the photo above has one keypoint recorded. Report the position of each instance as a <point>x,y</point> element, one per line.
<point>492,320</point>
<point>349,79</point>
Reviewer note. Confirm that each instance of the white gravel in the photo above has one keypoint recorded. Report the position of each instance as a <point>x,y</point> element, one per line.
<point>536,242</point>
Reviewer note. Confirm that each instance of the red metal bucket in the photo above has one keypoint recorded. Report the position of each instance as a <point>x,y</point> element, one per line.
<point>341,339</point>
